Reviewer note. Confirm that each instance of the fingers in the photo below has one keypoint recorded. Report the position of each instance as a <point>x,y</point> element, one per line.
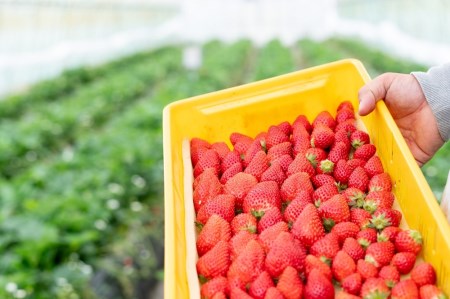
<point>372,92</point>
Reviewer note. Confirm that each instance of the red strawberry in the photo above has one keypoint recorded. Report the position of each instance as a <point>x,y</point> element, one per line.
<point>353,249</point>
<point>373,166</point>
<point>359,179</point>
<point>215,262</point>
<point>284,161</point>
<point>342,134</point>
<point>347,127</point>
<point>308,227</point>
<point>239,186</point>
<point>210,159</point>
<point>279,150</point>
<point>366,270</point>
<point>215,230</point>
<point>342,172</point>
<point>261,197</point>
<point>388,234</point>
<point>404,261</point>
<point>380,254</point>
<point>339,151</point>
<point>296,206</point>
<point>271,217</point>
<point>325,166</point>
<point>322,137</point>
<point>318,286</point>
<point>408,241</point>
<point>258,165</point>
<point>301,125</point>
<point>230,159</point>
<point>359,138</point>
<point>390,275</point>
<point>361,217</point>
<point>273,293</point>
<point>274,173</point>
<point>431,292</point>
<point>294,184</point>
<point>300,145</point>
<point>365,152</point>
<point>324,193</point>
<point>286,127</point>
<point>344,114</point>
<point>237,137</point>
<point>268,236</point>
<point>345,295</point>
<point>334,210</point>
<point>326,247</point>
<point>198,142</point>
<point>259,287</point>
<point>236,282</point>
<point>249,264</point>
<point>301,164</point>
<point>423,274</point>
<point>198,148</point>
<point>261,137</point>
<point>321,179</point>
<point>374,288</point>
<point>342,266</point>
<point>355,197</point>
<point>221,148</point>
<point>285,251</point>
<point>353,163</point>
<point>243,221</point>
<point>303,121</point>
<point>197,153</point>
<point>378,200</point>
<point>299,130</point>
<point>345,105</point>
<point>352,283</point>
<point>324,118</point>
<point>367,236</point>
<point>380,182</point>
<point>242,146</point>
<point>218,284</point>
<point>315,155</point>
<point>207,187</point>
<point>385,217</point>
<point>219,295</point>
<point>222,205</point>
<point>237,293</point>
<point>239,241</point>
<point>345,230</point>
<point>290,284</point>
<point>313,262</point>
<point>405,289</point>
<point>231,172</point>
<point>275,136</point>
<point>251,152</point>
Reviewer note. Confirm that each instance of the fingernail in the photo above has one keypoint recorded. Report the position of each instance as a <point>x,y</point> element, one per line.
<point>361,107</point>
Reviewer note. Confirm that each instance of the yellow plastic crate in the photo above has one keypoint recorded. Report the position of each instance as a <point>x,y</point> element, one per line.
<point>252,108</point>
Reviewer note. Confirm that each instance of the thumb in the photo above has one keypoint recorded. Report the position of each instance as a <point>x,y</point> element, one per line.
<point>372,92</point>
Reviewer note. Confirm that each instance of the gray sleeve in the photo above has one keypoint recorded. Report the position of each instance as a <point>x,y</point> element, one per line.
<point>436,86</point>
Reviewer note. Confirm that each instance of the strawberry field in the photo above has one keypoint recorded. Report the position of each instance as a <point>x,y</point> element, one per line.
<point>81,187</point>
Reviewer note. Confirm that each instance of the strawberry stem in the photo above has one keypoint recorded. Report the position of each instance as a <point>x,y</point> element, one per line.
<point>199,226</point>
<point>328,224</point>
<point>258,214</point>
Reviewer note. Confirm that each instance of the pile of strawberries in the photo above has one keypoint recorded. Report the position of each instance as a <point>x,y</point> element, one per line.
<point>299,209</point>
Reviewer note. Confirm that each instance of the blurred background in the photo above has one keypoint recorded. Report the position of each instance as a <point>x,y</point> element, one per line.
<point>83,84</point>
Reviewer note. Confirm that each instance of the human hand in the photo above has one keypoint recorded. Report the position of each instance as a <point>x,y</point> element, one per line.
<point>408,106</point>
